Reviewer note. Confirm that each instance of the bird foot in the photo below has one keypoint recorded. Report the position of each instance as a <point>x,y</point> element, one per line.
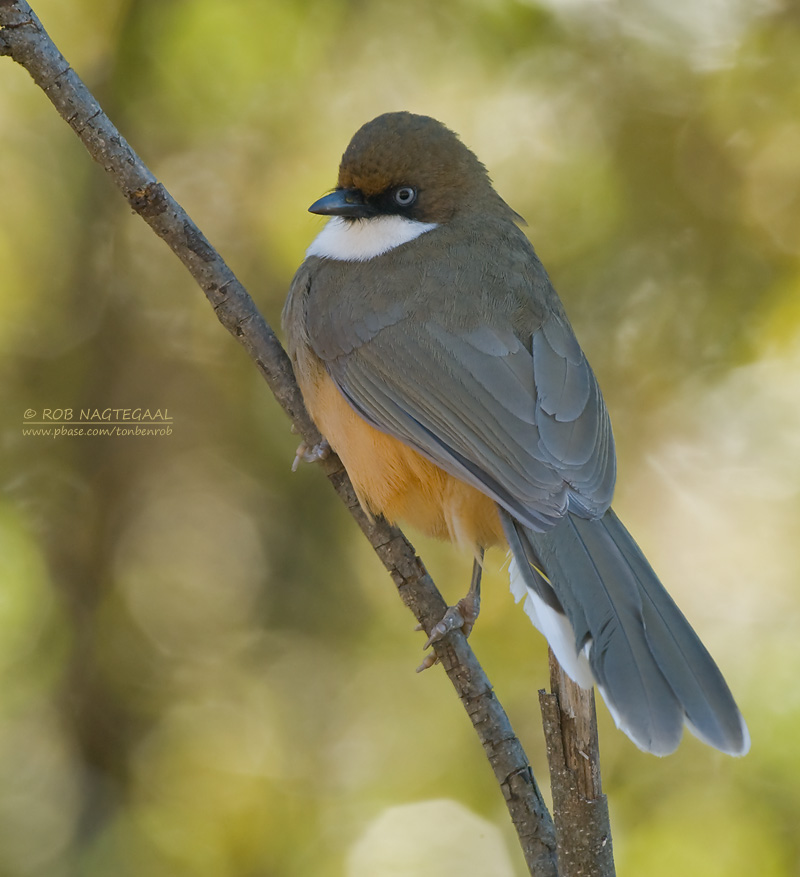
<point>306,454</point>
<point>463,615</point>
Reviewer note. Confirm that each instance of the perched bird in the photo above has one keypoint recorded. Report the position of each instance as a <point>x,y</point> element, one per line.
<point>437,360</point>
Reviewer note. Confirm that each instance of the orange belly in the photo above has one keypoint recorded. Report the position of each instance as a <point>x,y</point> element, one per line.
<point>392,479</point>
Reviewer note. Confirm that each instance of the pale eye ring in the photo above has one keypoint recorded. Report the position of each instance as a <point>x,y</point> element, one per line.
<point>405,196</point>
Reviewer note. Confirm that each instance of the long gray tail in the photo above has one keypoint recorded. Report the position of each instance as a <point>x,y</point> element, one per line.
<point>590,590</point>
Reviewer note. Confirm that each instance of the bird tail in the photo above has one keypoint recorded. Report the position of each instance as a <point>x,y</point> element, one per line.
<point>589,589</point>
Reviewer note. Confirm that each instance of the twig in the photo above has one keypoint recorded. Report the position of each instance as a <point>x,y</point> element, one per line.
<point>25,40</point>
<point>580,809</point>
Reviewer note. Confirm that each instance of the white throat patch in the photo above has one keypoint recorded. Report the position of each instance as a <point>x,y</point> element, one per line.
<point>362,239</point>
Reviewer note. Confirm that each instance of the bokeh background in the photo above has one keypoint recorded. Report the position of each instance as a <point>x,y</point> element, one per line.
<point>203,669</point>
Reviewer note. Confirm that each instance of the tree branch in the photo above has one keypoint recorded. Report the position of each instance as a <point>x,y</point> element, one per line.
<point>25,40</point>
<point>580,809</point>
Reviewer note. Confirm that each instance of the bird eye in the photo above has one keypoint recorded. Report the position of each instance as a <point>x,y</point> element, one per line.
<point>405,196</point>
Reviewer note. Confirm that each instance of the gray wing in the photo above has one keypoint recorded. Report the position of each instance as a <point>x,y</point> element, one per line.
<point>526,424</point>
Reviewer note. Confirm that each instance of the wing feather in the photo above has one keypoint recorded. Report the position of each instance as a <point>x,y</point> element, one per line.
<point>529,427</point>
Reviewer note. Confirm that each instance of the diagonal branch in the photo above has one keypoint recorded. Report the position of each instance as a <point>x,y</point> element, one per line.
<point>23,38</point>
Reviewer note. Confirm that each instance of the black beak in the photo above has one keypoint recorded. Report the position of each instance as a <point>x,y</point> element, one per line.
<point>343,202</point>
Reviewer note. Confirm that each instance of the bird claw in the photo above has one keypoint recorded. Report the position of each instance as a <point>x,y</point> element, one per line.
<point>451,620</point>
<point>306,454</point>
<point>463,615</point>
<point>428,661</point>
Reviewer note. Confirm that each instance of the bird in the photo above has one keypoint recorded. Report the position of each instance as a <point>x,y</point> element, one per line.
<point>436,358</point>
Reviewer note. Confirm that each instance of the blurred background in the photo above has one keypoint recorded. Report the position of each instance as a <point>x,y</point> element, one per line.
<point>203,668</point>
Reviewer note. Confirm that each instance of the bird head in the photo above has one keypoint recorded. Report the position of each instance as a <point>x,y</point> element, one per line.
<point>402,164</point>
